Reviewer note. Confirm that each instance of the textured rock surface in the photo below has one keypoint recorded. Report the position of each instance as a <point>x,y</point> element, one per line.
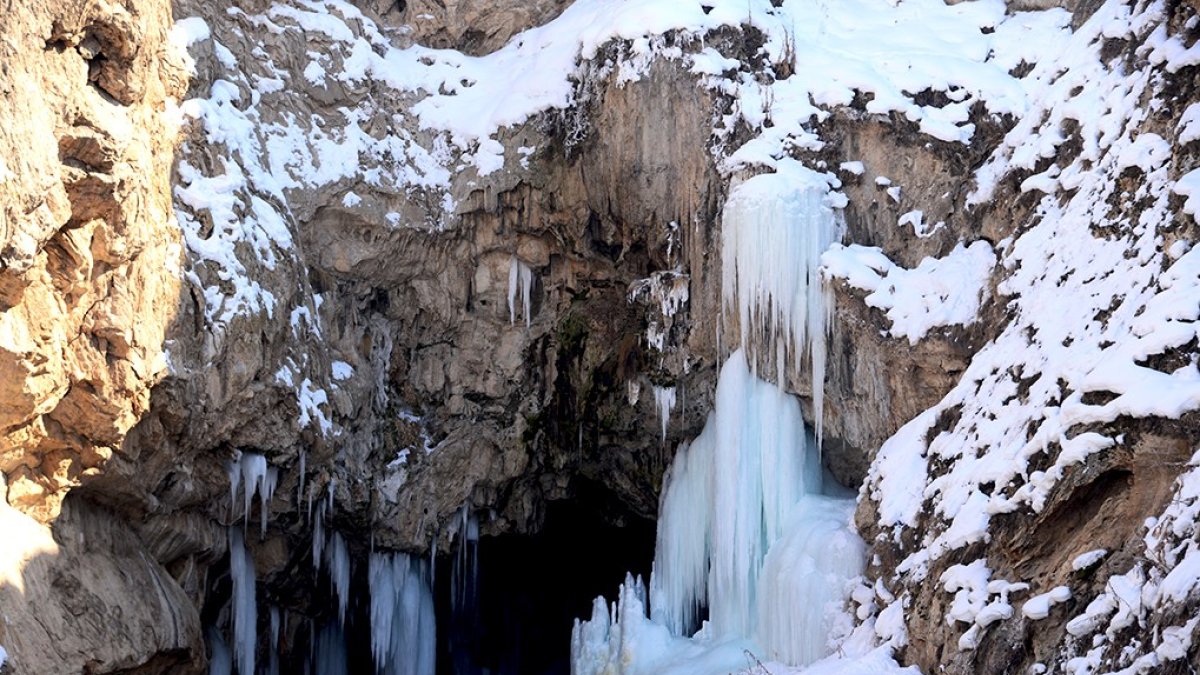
<point>354,322</point>
<point>88,599</point>
<point>89,281</point>
<point>87,247</point>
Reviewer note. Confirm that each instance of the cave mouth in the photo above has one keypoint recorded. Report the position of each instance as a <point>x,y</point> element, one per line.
<point>507,604</point>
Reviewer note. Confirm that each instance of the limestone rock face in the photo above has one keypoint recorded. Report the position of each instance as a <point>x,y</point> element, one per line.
<point>471,26</point>
<point>87,244</point>
<point>90,261</point>
<point>256,248</point>
<point>88,599</point>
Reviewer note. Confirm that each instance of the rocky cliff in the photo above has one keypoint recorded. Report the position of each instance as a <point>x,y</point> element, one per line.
<point>379,265</point>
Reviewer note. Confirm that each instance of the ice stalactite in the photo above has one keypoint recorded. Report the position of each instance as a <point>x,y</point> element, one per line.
<point>251,470</point>
<point>220,660</point>
<point>774,229</point>
<point>329,657</point>
<point>337,561</point>
<point>464,579</point>
<point>303,473</point>
<point>745,532</point>
<point>403,625</point>
<point>520,278</point>
<point>664,400</point>
<point>330,552</point>
<point>245,608</point>
<point>273,647</point>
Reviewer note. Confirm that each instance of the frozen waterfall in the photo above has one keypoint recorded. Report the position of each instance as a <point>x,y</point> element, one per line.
<point>774,229</point>
<point>245,608</point>
<point>403,626</point>
<point>744,532</point>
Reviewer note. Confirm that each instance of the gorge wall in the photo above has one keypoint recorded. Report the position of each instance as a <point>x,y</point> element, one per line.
<point>395,263</point>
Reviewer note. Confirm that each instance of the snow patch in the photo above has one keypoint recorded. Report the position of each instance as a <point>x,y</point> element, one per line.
<point>938,292</point>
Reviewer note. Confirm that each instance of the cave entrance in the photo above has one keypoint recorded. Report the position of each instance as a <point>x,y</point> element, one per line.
<point>507,607</point>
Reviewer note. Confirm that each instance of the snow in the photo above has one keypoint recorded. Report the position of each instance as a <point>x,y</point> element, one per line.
<point>774,229</point>
<point>855,168</point>
<point>938,292</point>
<point>3,656</point>
<point>979,601</point>
<point>1189,125</point>
<point>341,371</point>
<point>1092,296</point>
<point>666,291</point>
<point>1188,186</point>
<point>1086,560</point>
<point>1038,607</point>
<point>184,34</point>
<point>1091,293</point>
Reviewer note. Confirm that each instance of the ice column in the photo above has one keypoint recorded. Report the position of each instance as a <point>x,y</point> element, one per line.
<point>245,610</point>
<point>727,500</point>
<point>330,657</point>
<point>337,560</point>
<point>403,625</point>
<point>744,531</point>
<point>221,661</point>
<point>774,229</point>
<point>464,579</point>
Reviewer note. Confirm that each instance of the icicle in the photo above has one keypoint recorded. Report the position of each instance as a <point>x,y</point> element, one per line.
<point>520,277</point>
<point>245,610</point>
<point>514,272</point>
<point>250,471</point>
<point>221,660</point>
<point>269,482</point>
<point>403,625</point>
<point>330,658</point>
<point>337,558</point>
<point>234,470</point>
<point>273,667</point>
<point>463,574</point>
<point>300,482</point>
<point>318,539</point>
<point>664,400</point>
<point>774,229</point>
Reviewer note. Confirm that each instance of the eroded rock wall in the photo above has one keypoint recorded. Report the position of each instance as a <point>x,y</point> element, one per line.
<point>402,328</point>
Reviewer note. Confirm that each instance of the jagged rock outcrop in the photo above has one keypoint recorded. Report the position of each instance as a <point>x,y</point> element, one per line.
<point>89,280</point>
<point>87,285</point>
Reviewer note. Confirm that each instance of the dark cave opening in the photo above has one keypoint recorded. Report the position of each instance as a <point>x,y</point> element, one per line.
<point>504,604</point>
<point>531,588</point>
